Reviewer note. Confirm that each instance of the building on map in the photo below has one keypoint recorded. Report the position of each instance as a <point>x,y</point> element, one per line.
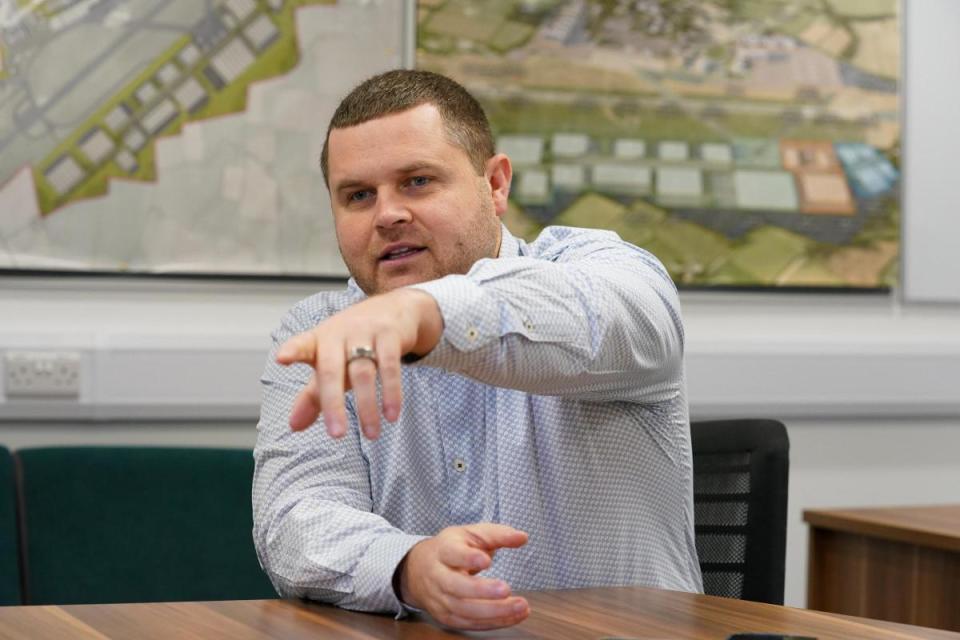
<point>210,32</point>
<point>126,161</point>
<point>765,190</point>
<point>756,152</point>
<point>523,150</point>
<point>64,174</point>
<point>275,5</point>
<point>629,148</point>
<point>241,9</point>
<point>190,95</point>
<point>825,193</point>
<point>134,139</point>
<point>96,145</point>
<point>533,187</point>
<point>821,183</point>
<point>167,74</point>
<point>568,177</point>
<point>160,116</point>
<point>673,151</point>
<point>679,186</point>
<point>716,153</point>
<point>569,145</point>
<point>231,61</point>
<point>720,189</point>
<point>118,118</point>
<point>146,92</point>
<point>261,33</point>
<point>621,179</point>
<point>869,172</point>
<point>189,55</point>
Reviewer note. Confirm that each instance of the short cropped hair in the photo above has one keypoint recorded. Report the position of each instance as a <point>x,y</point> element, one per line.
<point>401,89</point>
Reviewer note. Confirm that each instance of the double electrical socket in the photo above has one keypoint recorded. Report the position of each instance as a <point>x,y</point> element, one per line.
<point>42,374</point>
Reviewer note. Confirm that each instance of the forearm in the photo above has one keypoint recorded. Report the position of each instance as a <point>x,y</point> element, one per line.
<point>606,328</point>
<point>330,553</point>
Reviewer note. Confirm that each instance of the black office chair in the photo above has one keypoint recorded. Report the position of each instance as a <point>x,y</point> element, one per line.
<point>138,524</point>
<point>9,538</point>
<point>740,470</point>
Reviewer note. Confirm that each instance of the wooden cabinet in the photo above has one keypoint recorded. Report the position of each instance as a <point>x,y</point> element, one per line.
<point>900,564</point>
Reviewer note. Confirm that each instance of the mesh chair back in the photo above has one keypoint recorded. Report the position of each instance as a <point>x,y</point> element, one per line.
<point>740,470</point>
<point>129,524</point>
<point>9,536</point>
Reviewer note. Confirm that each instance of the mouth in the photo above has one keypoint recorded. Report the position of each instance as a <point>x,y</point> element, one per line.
<point>398,253</point>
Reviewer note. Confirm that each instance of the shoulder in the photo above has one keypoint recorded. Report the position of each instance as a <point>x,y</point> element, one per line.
<point>564,244</point>
<point>557,238</point>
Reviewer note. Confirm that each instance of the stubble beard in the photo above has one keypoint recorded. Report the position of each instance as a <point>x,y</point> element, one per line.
<point>482,241</point>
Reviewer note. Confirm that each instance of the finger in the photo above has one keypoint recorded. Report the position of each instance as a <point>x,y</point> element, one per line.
<point>487,610</point>
<point>306,407</point>
<point>388,365</point>
<point>491,536</point>
<point>459,585</point>
<point>329,363</point>
<point>519,613</point>
<point>300,348</point>
<point>459,555</point>
<point>362,374</point>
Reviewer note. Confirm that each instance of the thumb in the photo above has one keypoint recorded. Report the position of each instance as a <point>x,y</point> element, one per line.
<point>490,536</point>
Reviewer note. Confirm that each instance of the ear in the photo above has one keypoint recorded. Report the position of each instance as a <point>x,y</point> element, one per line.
<point>498,174</point>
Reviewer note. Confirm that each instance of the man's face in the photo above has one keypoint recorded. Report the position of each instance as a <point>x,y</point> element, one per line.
<point>408,205</point>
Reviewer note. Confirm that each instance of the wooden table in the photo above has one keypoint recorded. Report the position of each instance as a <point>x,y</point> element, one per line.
<point>899,563</point>
<point>624,612</point>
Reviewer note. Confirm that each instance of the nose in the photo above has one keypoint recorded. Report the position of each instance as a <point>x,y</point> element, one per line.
<point>391,210</point>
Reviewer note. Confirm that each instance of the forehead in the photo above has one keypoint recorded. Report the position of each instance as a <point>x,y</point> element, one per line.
<point>417,134</point>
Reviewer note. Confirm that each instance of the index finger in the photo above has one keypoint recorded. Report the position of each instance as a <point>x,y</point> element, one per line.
<point>300,348</point>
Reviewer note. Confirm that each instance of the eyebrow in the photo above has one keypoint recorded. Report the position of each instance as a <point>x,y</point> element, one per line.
<point>404,170</point>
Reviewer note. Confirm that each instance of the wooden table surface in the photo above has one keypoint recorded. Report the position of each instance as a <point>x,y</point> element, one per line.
<point>623,612</point>
<point>930,526</point>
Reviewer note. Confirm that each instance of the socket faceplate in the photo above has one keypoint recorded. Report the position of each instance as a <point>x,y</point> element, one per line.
<point>44,374</point>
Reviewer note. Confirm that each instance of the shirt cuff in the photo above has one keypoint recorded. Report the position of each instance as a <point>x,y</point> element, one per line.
<point>470,319</point>
<point>374,574</point>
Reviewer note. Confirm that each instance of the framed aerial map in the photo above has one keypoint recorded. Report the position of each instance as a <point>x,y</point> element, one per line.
<point>746,143</point>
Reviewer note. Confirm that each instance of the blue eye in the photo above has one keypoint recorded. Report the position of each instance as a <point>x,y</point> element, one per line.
<point>359,196</point>
<point>419,181</point>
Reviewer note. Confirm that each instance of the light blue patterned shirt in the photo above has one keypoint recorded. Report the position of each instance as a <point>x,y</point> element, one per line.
<point>554,403</point>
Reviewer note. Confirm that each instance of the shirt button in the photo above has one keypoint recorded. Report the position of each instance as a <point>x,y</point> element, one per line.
<point>527,324</point>
<point>472,333</point>
<point>460,465</point>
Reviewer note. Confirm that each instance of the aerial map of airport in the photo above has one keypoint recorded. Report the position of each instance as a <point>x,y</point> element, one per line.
<point>747,143</point>
<point>744,142</point>
<point>164,136</point>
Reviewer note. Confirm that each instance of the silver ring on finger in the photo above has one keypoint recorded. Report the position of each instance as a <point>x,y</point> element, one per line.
<point>362,352</point>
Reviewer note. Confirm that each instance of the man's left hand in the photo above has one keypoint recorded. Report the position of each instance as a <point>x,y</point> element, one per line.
<point>391,325</point>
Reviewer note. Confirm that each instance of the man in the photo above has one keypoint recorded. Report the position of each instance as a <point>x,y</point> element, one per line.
<point>537,429</point>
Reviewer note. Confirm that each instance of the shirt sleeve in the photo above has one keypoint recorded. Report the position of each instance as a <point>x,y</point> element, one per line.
<point>585,316</point>
<point>314,531</point>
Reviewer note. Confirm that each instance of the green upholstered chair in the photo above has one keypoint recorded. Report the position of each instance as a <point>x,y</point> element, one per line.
<point>129,524</point>
<point>9,537</point>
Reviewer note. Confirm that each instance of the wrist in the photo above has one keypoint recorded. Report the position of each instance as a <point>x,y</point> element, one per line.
<point>401,582</point>
<point>429,321</point>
